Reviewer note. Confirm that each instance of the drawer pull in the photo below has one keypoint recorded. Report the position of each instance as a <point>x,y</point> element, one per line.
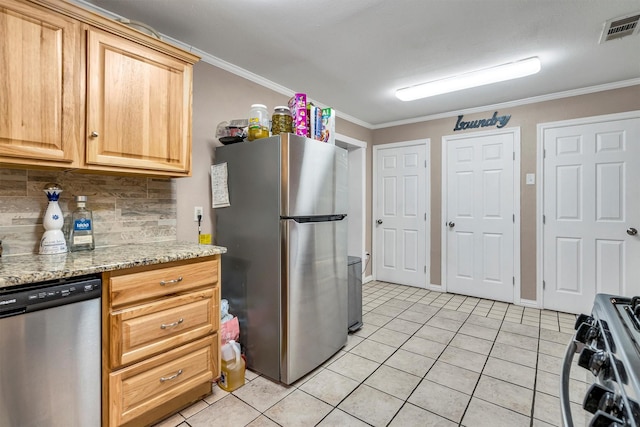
<point>169,282</point>
<point>171,325</point>
<point>172,377</point>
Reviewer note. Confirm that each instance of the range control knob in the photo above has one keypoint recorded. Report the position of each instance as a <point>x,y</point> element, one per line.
<point>583,318</point>
<point>593,360</point>
<point>586,333</point>
<point>602,419</point>
<point>595,394</point>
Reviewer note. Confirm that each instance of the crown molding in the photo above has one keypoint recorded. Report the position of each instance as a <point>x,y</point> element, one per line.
<point>241,72</point>
<point>515,103</point>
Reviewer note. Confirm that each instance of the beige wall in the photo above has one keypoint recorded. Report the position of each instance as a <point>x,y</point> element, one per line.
<point>527,117</point>
<point>217,96</point>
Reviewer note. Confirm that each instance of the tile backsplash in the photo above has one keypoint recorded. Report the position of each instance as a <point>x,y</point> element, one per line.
<point>125,209</point>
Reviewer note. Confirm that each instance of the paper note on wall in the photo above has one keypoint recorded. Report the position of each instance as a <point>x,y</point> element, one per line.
<point>219,187</point>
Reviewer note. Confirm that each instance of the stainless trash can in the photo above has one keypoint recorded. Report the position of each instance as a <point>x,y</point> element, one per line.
<point>354,264</point>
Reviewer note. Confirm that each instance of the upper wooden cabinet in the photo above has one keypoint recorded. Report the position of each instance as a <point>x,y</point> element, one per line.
<point>40,93</point>
<point>85,92</point>
<point>138,106</point>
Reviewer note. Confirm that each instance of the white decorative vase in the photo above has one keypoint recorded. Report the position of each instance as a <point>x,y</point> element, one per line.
<point>53,241</point>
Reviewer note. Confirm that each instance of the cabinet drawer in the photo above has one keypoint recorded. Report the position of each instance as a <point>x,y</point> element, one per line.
<point>144,330</point>
<point>127,288</point>
<point>147,385</point>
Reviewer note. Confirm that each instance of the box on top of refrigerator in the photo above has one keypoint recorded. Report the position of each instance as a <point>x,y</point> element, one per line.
<point>314,115</point>
<point>328,125</point>
<point>298,107</point>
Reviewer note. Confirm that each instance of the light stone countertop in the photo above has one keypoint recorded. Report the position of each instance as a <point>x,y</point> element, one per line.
<point>28,269</point>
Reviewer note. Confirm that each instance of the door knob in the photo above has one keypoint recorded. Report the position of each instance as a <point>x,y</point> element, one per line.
<point>632,231</point>
<point>451,224</point>
<point>94,134</point>
<point>379,221</point>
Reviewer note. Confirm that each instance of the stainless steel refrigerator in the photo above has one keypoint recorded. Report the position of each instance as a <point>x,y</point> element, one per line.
<point>285,272</point>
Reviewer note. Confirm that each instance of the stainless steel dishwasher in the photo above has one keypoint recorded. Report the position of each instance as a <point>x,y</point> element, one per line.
<point>50,354</point>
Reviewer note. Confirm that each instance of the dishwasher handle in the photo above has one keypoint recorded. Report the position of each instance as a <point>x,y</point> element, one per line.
<point>13,312</point>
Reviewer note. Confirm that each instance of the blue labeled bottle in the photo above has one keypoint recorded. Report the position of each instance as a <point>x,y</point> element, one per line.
<point>81,235</point>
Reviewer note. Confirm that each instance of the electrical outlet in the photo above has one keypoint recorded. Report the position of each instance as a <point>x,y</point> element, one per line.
<point>197,210</point>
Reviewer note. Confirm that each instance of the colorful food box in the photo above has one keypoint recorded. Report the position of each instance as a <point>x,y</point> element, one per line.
<point>314,121</point>
<point>328,125</point>
<point>298,107</point>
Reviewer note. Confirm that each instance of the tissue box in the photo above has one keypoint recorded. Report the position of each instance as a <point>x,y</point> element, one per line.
<point>298,107</point>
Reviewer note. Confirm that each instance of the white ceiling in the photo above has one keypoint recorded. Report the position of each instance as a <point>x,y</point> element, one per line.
<point>353,54</point>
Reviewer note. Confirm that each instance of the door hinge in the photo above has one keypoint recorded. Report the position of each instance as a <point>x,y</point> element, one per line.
<point>425,164</point>
<point>544,153</point>
<point>425,216</point>
<point>514,218</point>
<point>514,155</point>
<point>425,269</point>
<point>544,284</point>
<point>544,219</point>
<point>513,280</point>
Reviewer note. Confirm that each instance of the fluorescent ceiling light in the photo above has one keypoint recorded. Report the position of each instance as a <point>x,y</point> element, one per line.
<point>512,70</point>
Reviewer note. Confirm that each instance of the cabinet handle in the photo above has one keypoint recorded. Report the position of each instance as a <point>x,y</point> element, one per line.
<point>172,377</point>
<point>94,134</point>
<point>171,325</point>
<point>169,282</point>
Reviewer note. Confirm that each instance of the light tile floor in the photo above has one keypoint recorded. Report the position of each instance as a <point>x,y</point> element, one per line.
<point>422,358</point>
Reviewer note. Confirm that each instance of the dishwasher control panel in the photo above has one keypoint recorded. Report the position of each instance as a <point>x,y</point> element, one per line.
<point>48,294</point>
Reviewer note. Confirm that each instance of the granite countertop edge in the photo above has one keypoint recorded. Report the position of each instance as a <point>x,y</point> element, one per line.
<point>29,269</point>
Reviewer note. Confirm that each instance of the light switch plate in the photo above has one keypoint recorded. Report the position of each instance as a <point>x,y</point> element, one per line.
<point>531,178</point>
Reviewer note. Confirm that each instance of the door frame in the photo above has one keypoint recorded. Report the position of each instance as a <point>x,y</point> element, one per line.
<point>515,131</point>
<point>426,142</point>
<point>357,153</point>
<point>540,185</point>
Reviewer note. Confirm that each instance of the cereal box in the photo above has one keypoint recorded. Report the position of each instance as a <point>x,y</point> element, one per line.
<point>314,121</point>
<point>298,107</point>
<point>318,130</point>
<point>328,125</point>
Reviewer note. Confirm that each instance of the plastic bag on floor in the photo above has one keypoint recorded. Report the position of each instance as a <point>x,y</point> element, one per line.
<point>229,325</point>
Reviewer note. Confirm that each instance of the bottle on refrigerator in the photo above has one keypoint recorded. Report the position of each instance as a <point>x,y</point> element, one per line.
<point>281,120</point>
<point>258,122</point>
<point>81,235</point>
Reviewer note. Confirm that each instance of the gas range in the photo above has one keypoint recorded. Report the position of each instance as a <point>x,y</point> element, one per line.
<point>608,344</point>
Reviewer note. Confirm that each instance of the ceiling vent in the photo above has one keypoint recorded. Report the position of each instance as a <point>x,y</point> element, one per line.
<point>617,28</point>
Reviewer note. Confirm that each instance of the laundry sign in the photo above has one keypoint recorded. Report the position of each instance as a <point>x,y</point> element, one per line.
<point>495,120</point>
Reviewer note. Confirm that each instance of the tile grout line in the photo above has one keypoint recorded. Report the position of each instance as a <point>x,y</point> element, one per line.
<point>387,293</point>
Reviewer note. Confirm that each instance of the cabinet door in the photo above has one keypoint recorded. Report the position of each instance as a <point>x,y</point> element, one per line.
<point>40,102</point>
<point>138,108</point>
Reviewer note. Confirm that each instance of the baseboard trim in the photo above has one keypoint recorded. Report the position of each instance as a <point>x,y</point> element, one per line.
<point>529,303</point>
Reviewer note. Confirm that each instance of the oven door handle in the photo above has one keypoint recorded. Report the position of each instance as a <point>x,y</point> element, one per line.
<point>565,404</point>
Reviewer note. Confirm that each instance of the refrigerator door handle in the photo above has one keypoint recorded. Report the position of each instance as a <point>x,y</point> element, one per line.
<point>315,218</point>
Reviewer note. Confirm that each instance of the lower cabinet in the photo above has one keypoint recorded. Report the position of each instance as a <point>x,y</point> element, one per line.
<point>161,343</point>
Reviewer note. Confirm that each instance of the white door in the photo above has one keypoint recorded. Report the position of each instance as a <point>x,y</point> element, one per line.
<point>591,207</point>
<point>400,213</point>
<point>480,215</point>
